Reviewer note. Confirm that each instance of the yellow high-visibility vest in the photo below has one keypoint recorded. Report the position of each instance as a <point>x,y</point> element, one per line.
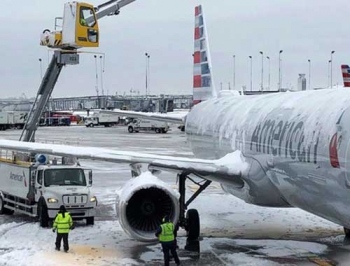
<point>63,225</point>
<point>167,233</point>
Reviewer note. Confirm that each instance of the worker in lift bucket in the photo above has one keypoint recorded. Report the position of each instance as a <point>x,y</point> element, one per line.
<point>82,19</point>
<point>63,224</point>
<point>166,234</point>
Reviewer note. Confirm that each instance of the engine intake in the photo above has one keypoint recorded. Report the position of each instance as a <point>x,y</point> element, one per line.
<point>142,204</point>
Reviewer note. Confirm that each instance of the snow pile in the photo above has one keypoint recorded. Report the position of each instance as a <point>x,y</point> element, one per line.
<point>246,260</point>
<point>100,245</point>
<point>283,248</point>
<point>235,162</point>
<point>144,181</point>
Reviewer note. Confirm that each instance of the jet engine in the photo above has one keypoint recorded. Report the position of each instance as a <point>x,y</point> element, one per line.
<point>142,204</point>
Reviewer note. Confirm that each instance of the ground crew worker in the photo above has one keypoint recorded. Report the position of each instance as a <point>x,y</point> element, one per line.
<point>166,235</point>
<point>63,223</point>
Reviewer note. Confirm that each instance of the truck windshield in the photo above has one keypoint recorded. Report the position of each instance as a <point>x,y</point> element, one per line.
<point>64,177</point>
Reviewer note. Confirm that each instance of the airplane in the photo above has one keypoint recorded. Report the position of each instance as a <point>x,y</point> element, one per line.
<point>346,75</point>
<point>276,150</point>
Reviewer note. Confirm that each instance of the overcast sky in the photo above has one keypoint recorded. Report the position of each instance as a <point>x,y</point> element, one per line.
<point>303,29</point>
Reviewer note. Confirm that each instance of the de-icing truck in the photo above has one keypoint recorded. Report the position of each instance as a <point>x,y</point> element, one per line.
<point>39,188</point>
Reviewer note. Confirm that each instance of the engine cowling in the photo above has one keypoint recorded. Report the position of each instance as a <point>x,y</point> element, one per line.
<point>143,202</point>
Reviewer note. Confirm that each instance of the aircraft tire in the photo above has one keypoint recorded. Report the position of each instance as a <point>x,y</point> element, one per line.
<point>193,224</point>
<point>347,232</point>
<point>43,215</point>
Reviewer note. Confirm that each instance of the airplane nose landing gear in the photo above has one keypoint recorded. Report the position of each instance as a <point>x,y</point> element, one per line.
<point>190,222</point>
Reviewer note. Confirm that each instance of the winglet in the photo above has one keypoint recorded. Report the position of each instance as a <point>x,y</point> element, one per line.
<point>346,75</point>
<point>203,84</point>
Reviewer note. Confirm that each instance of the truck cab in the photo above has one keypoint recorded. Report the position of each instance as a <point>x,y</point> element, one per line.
<point>38,187</point>
<point>91,121</point>
<point>57,185</point>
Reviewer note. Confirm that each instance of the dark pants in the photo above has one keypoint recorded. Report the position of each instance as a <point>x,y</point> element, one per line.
<point>169,246</point>
<point>65,241</point>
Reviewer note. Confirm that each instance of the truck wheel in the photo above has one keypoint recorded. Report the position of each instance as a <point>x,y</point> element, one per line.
<point>130,129</point>
<point>90,221</point>
<point>92,125</point>
<point>347,232</point>
<point>164,130</point>
<point>193,224</point>
<point>4,210</point>
<point>43,215</point>
<point>158,130</point>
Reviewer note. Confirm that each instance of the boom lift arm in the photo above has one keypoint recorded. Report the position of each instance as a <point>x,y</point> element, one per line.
<point>79,29</point>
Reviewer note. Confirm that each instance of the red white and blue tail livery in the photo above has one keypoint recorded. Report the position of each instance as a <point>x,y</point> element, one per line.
<point>203,85</point>
<point>345,69</point>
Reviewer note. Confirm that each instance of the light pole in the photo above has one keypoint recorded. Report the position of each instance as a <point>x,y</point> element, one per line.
<point>332,68</point>
<point>251,73</point>
<point>147,70</point>
<point>262,70</point>
<point>329,64</point>
<point>41,67</point>
<point>268,58</point>
<point>102,69</point>
<point>309,60</point>
<point>279,71</point>
<point>96,77</point>
<point>234,72</point>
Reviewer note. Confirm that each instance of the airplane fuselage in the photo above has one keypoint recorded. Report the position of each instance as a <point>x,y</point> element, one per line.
<point>297,145</point>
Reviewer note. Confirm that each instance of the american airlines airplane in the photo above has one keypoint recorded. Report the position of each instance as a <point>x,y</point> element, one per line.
<point>345,69</point>
<point>277,150</point>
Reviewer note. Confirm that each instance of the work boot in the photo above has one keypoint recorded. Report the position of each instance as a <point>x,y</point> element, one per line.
<point>56,248</point>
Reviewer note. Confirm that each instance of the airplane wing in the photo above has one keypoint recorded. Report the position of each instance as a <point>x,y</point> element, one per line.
<point>170,118</point>
<point>228,169</point>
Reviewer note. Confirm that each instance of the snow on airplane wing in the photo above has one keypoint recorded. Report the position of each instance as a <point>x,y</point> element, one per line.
<point>170,118</point>
<point>228,169</point>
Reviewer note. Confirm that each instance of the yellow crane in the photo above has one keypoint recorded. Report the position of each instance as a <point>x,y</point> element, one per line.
<point>77,28</point>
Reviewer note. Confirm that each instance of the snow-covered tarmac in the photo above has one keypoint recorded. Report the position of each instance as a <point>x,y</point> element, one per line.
<point>233,232</point>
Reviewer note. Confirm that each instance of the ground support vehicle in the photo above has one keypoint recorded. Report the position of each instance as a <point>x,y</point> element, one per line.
<point>101,119</point>
<point>137,125</point>
<point>39,188</point>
